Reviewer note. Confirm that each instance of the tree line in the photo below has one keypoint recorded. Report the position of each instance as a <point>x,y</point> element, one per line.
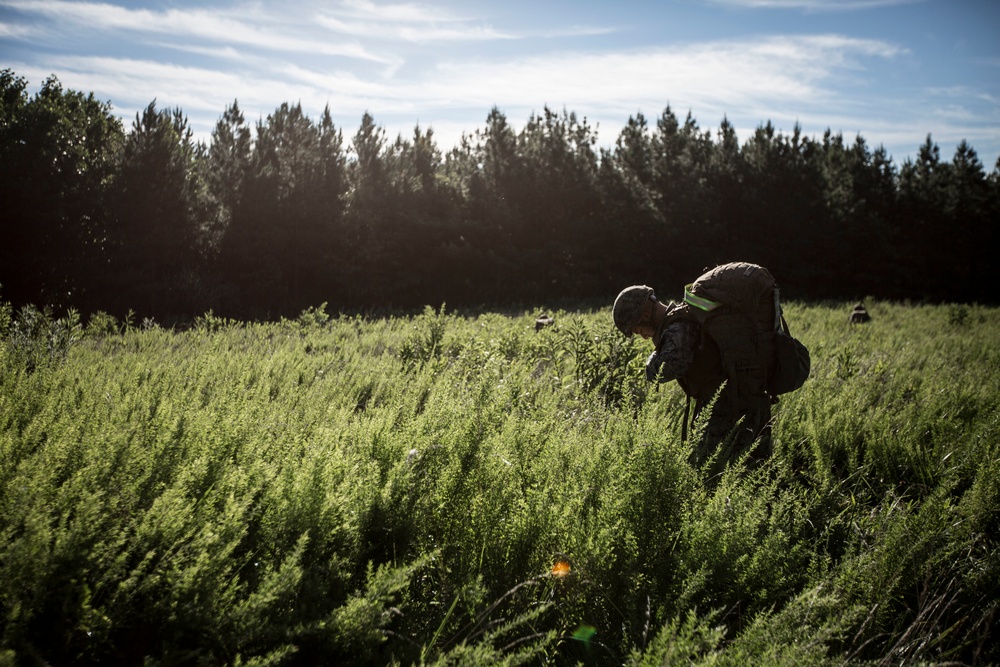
<point>270,218</point>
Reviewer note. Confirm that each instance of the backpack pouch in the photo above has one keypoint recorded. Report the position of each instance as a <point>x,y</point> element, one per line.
<point>791,365</point>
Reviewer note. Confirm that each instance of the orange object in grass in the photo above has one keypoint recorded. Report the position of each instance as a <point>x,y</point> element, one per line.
<point>560,569</point>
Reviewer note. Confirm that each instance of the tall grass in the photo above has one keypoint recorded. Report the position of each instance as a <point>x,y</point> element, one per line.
<point>461,489</point>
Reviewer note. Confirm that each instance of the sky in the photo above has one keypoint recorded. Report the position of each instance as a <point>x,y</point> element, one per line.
<point>891,71</point>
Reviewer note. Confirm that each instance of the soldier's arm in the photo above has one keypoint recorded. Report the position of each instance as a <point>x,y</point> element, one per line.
<point>675,352</point>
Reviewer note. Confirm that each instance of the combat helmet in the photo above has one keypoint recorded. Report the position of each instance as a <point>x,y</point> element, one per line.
<point>628,307</point>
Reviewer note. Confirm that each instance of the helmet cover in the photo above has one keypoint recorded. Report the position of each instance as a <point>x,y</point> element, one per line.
<point>628,307</point>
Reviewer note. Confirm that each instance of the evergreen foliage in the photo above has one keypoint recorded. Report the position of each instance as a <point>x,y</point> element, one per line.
<point>59,154</point>
<point>262,224</point>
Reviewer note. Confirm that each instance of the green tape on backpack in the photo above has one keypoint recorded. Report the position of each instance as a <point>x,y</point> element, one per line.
<point>699,301</point>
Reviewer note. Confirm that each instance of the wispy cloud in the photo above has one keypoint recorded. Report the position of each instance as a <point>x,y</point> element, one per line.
<point>258,28</point>
<point>397,12</point>
<point>8,30</point>
<point>714,75</point>
<point>138,82</point>
<point>406,22</point>
<point>768,78</point>
<point>428,25</point>
<point>814,5</point>
<point>409,32</point>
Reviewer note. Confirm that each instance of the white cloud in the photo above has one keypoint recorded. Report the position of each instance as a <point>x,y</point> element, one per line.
<point>715,75</point>
<point>431,31</point>
<point>135,83</point>
<point>407,22</point>
<point>218,52</point>
<point>814,5</point>
<point>749,78</point>
<point>425,24</point>
<point>964,92</point>
<point>8,30</point>
<point>257,28</point>
<point>412,33</point>
<point>397,13</point>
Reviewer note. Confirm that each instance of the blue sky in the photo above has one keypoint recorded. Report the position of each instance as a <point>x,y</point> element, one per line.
<point>892,71</point>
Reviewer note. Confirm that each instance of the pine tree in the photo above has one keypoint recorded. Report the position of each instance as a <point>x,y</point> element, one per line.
<point>58,153</point>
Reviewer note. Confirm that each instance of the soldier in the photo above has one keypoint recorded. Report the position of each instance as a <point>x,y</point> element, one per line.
<point>859,315</point>
<point>740,419</point>
<point>543,321</point>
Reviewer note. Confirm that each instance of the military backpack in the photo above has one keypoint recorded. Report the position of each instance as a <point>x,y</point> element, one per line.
<point>738,308</point>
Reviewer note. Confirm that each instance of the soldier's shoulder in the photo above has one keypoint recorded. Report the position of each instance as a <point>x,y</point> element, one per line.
<point>679,332</point>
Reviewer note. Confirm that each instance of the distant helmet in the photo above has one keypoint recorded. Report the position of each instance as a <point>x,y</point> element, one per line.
<point>628,307</point>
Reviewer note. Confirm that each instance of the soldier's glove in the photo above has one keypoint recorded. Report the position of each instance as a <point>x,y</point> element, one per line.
<point>653,363</point>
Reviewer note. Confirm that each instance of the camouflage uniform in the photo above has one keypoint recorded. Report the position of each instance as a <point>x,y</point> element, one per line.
<point>683,354</point>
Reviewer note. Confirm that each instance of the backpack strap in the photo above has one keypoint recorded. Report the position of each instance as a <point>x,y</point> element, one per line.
<point>684,424</point>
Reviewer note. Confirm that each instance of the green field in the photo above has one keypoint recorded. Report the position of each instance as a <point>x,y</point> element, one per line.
<point>457,488</point>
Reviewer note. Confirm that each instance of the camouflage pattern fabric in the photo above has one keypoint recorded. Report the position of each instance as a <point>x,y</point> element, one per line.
<point>736,424</point>
<point>628,307</point>
<point>734,429</point>
<point>674,351</point>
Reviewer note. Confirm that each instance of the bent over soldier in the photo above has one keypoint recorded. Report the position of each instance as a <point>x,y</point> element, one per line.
<point>739,420</point>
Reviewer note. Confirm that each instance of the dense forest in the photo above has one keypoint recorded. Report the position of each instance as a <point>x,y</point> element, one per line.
<point>268,219</point>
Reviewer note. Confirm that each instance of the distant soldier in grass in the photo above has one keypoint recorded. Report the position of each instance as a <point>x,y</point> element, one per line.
<point>859,315</point>
<point>737,342</point>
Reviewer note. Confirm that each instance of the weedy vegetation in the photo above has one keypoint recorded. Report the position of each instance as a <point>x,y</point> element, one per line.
<point>448,488</point>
